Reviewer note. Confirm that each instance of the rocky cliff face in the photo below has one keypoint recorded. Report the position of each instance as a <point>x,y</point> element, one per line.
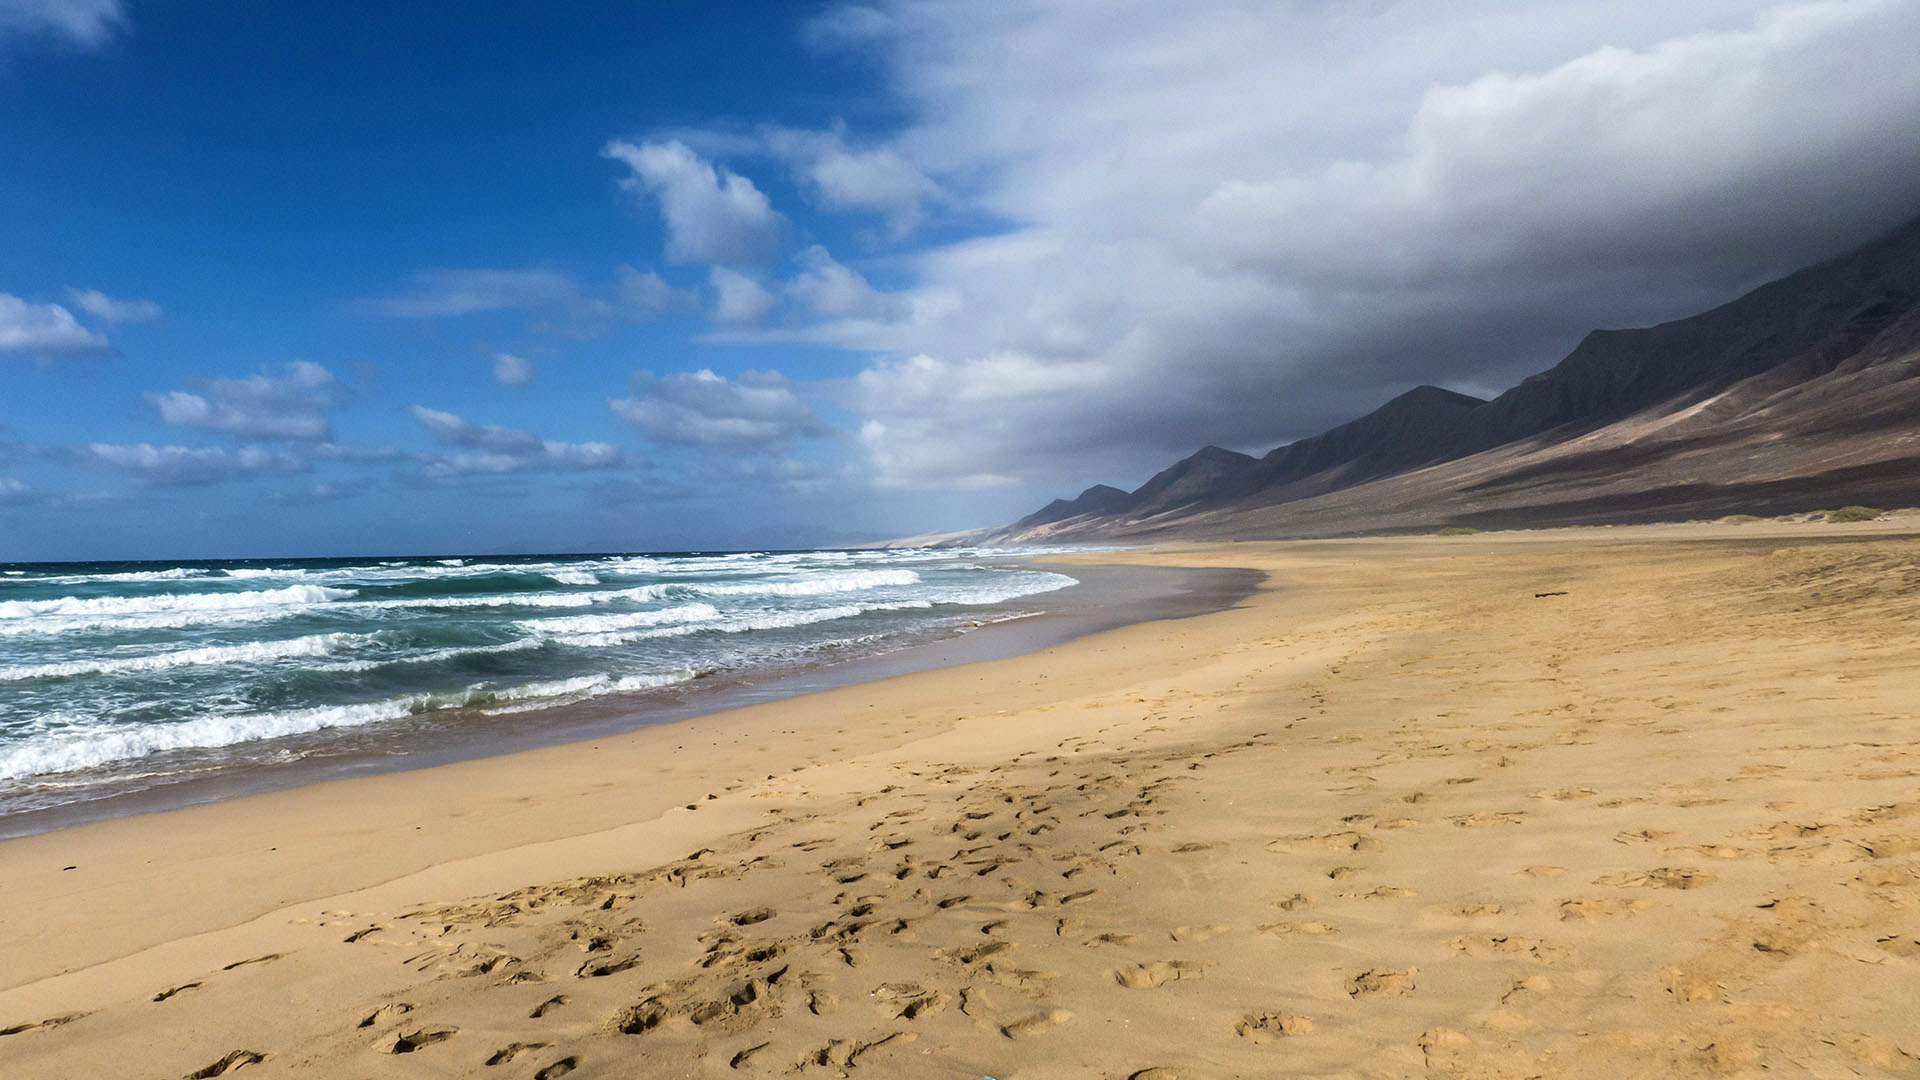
<point>1095,500</point>
<point>1420,426</point>
<point>1799,395</point>
<point>1614,373</point>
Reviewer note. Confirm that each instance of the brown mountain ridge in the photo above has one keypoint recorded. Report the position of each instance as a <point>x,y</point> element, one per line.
<point>1799,395</point>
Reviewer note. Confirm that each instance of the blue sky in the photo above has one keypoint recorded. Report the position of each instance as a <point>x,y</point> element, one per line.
<point>292,278</point>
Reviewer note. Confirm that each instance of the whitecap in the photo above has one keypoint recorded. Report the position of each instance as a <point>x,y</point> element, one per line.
<point>168,602</point>
<point>92,744</point>
<point>252,652</point>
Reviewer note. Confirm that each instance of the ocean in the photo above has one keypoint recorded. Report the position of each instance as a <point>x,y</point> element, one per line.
<point>119,677</point>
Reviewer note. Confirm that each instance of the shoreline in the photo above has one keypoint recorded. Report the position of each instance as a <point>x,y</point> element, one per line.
<point>1575,804</point>
<point>1107,596</point>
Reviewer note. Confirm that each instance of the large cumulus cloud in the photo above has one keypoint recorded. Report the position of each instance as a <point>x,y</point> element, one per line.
<point>1241,223</point>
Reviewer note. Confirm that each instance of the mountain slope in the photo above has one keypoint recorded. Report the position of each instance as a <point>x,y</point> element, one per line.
<point>1798,395</point>
<point>1096,499</point>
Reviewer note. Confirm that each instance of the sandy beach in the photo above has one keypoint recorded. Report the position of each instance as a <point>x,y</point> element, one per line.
<point>1583,803</point>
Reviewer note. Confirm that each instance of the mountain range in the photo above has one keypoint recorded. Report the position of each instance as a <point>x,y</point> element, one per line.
<point>1799,395</point>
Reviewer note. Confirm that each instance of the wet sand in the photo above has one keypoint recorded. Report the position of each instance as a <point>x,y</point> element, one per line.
<point>1105,598</point>
<point>1622,802</point>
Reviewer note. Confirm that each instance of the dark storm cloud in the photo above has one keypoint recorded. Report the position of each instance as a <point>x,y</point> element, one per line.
<point>1244,223</point>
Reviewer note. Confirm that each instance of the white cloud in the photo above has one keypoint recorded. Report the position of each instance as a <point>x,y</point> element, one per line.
<point>632,296</point>
<point>737,297</point>
<point>877,179</point>
<point>492,449</point>
<point>1685,152</point>
<point>82,22</point>
<point>511,370</point>
<point>292,405</point>
<point>755,410</point>
<point>911,405</point>
<point>442,293</point>
<point>1243,223</point>
<point>101,306</point>
<point>357,455</point>
<point>642,295</point>
<point>16,492</point>
<point>833,290</point>
<point>450,430</point>
<point>712,214</point>
<point>43,328</point>
<point>184,466</point>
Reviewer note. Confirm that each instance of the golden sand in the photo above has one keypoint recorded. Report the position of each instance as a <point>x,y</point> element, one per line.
<point>1397,815</point>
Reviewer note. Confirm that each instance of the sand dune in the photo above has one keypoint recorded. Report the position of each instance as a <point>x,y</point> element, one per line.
<point>1398,815</point>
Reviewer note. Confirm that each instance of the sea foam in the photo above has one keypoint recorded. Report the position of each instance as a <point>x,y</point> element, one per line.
<point>253,652</point>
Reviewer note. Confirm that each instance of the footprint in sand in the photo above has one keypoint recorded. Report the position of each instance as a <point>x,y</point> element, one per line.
<point>1903,945</point>
<point>1445,1049</point>
<point>744,1057</point>
<point>1588,907</point>
<point>397,1009</point>
<point>419,1037</point>
<point>1382,983</point>
<point>1281,929</point>
<point>1566,794</point>
<point>1035,1023</point>
<point>1693,987</point>
<point>51,1022</point>
<point>1197,933</point>
<point>1487,819</point>
<point>1532,984</point>
<point>908,1001</point>
<point>512,1050</point>
<point>167,993</point>
<point>845,1054</point>
<point>1156,974</point>
<point>236,1060</point>
<point>1022,979</point>
<point>1266,1027</point>
<point>1510,944</point>
<point>1643,836</point>
<point>253,960</point>
<point>1340,841</point>
<point>1660,877</point>
<point>599,969</point>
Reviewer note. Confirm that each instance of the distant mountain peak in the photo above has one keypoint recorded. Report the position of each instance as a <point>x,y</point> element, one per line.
<point>1212,453</point>
<point>1804,390</point>
<point>1428,396</point>
<point>1100,498</point>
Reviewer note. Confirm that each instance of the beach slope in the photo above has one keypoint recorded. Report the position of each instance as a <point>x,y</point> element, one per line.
<point>1592,803</point>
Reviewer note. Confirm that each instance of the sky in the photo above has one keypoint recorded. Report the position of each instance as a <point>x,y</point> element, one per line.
<point>466,277</point>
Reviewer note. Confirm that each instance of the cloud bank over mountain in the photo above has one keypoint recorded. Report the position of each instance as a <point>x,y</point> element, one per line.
<point>872,268</point>
<point>1241,223</point>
